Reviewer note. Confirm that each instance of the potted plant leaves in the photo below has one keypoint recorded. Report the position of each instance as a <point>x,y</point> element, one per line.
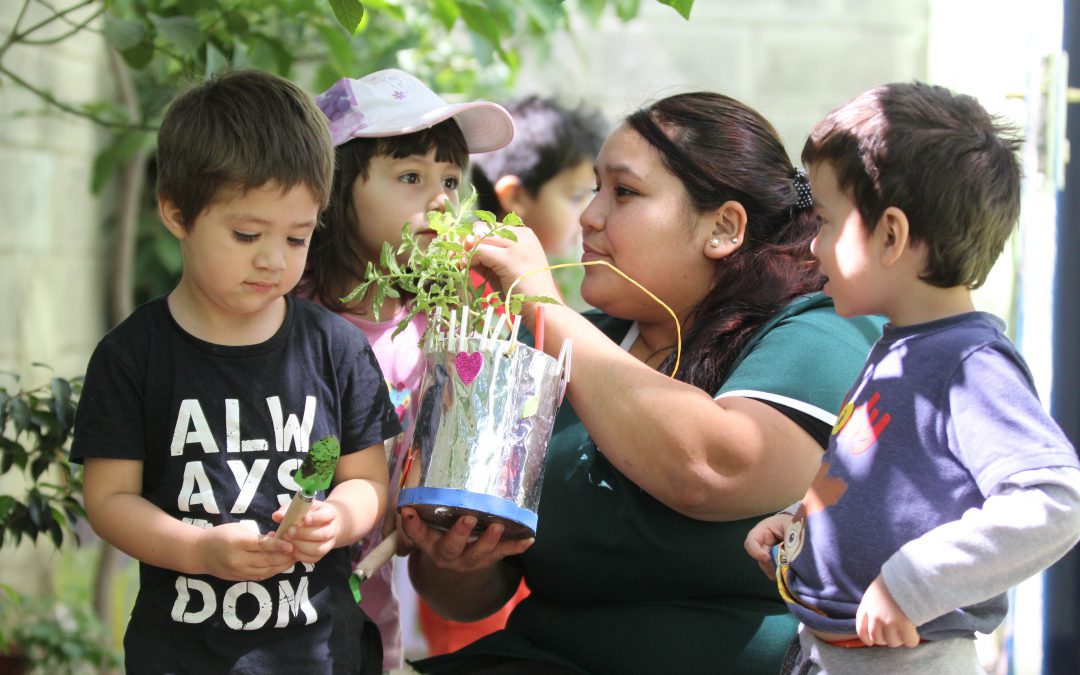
<point>487,401</point>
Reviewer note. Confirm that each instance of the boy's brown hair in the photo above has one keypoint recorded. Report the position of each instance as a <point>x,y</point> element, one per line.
<point>939,157</point>
<point>240,130</point>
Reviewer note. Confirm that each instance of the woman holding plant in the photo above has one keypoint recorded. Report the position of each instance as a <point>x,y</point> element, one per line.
<point>674,440</point>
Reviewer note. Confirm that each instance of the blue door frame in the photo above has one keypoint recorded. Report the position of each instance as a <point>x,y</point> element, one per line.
<point>1061,640</point>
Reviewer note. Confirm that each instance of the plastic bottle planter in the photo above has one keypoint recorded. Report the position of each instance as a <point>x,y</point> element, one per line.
<point>482,432</point>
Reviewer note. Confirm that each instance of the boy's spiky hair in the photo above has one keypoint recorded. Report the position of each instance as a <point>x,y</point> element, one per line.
<point>939,157</point>
<point>237,131</point>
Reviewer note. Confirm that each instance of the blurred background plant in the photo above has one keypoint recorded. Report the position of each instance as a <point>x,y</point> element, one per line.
<point>44,634</point>
<point>49,636</point>
<point>35,430</point>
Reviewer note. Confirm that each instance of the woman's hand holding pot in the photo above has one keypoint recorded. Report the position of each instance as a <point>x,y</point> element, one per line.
<point>457,549</point>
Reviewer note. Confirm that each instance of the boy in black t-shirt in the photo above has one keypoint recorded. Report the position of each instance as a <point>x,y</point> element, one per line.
<point>199,408</point>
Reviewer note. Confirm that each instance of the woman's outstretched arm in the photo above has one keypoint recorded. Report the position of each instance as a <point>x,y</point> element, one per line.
<point>709,459</point>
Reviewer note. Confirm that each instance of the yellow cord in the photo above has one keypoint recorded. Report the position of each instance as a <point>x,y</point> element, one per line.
<point>678,328</point>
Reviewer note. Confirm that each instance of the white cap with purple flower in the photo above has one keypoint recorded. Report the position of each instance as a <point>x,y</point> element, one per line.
<point>393,103</point>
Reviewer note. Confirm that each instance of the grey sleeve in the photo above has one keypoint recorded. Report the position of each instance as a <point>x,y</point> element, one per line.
<point>1027,523</point>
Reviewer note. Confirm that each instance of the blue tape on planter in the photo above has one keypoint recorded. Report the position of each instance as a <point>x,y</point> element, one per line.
<point>496,506</point>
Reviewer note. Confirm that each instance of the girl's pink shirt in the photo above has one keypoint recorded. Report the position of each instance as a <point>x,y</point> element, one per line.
<point>402,363</point>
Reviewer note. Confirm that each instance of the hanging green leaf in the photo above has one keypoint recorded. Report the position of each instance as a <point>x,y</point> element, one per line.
<point>140,55</point>
<point>483,23</point>
<point>215,59</point>
<point>61,391</point>
<point>349,13</point>
<point>340,51</point>
<point>123,34</point>
<point>56,533</point>
<point>592,9</point>
<point>446,12</point>
<point>627,9</point>
<point>20,415</point>
<point>183,32</point>
<point>683,7</point>
<point>546,15</point>
<point>392,9</point>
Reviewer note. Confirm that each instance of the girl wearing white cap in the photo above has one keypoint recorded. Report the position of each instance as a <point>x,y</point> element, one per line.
<point>401,151</point>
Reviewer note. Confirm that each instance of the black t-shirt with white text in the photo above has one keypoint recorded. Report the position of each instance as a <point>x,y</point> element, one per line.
<point>221,430</point>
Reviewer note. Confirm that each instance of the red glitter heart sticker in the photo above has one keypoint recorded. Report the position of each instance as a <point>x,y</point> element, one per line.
<point>468,365</point>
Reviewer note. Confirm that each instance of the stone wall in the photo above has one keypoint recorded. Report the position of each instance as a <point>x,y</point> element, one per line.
<point>52,252</point>
<point>792,60</point>
<point>52,249</point>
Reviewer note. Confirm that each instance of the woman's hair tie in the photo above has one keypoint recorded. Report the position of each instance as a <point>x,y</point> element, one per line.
<point>802,188</point>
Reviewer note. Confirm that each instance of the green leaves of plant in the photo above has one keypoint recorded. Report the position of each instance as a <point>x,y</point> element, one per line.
<point>517,301</point>
<point>438,276</point>
<point>35,430</point>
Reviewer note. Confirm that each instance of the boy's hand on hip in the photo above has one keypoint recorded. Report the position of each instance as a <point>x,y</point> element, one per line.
<point>236,553</point>
<point>761,539</point>
<point>880,621</point>
<point>315,535</point>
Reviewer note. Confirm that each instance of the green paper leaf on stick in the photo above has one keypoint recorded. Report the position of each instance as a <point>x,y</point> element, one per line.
<point>317,470</point>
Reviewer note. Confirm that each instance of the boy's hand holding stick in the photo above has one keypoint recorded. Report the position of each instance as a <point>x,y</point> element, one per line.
<point>314,474</point>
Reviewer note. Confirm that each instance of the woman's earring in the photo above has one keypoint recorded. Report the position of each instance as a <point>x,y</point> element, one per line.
<point>734,240</point>
<point>714,243</point>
